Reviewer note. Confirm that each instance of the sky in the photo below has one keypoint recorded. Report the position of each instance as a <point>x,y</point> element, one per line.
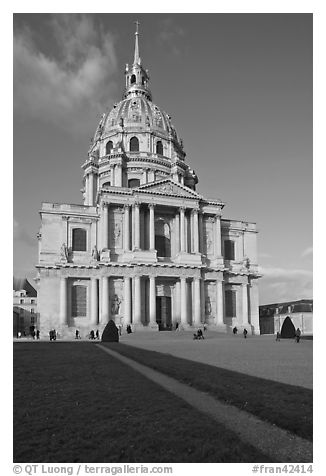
<point>239,90</point>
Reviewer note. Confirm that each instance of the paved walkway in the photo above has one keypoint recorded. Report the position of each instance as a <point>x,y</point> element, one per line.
<point>279,444</point>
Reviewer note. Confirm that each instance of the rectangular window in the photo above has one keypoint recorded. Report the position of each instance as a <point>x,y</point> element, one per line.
<point>32,311</point>
<point>230,303</point>
<point>32,320</point>
<point>229,250</point>
<point>79,301</point>
<point>79,239</point>
<point>32,301</point>
<point>21,301</point>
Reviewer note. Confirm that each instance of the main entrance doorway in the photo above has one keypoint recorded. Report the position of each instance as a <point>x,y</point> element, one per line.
<point>163,313</point>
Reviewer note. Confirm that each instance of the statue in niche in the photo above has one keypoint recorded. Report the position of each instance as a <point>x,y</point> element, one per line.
<point>209,241</point>
<point>95,253</point>
<point>64,254</point>
<point>117,232</point>
<point>246,262</point>
<point>115,308</point>
<point>147,121</point>
<point>208,306</point>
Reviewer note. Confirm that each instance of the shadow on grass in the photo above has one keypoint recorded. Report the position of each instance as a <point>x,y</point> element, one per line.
<point>74,403</point>
<point>287,406</point>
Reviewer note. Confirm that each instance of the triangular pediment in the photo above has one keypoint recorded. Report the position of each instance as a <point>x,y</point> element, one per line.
<point>168,187</point>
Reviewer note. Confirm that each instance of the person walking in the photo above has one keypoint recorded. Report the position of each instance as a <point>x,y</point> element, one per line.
<point>245,332</point>
<point>278,336</point>
<point>97,334</point>
<point>38,334</point>
<point>297,335</point>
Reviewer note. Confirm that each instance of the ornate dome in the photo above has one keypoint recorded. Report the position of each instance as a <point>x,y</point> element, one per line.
<point>138,112</point>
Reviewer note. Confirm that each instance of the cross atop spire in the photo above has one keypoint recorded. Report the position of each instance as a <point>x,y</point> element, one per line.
<point>137,59</point>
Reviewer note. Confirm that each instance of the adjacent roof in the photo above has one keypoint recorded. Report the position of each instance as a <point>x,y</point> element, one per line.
<point>23,283</point>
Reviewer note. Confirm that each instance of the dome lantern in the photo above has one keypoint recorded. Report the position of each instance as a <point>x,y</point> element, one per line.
<point>137,77</point>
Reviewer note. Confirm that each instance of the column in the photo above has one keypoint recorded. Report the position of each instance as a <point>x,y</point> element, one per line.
<point>94,301</point>
<point>177,308</point>
<point>195,231</point>
<point>105,236</point>
<point>254,306</point>
<point>241,247</point>
<point>63,301</point>
<point>244,304</point>
<point>182,230</point>
<point>218,252</point>
<point>177,233</point>
<point>137,316</point>
<point>201,233</point>
<point>118,175</point>
<point>127,303</point>
<point>86,190</point>
<point>183,301</point>
<point>152,300</point>
<point>196,301</point>
<point>151,227</point>
<point>126,228</point>
<point>91,189</point>
<point>145,176</point>
<point>113,179</point>
<point>105,310</point>
<point>219,303</point>
<point>191,241</point>
<point>137,227</point>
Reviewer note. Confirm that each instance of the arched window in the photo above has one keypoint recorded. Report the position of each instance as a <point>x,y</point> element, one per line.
<point>162,239</point>
<point>133,183</point>
<point>134,144</point>
<point>159,147</point>
<point>109,147</point>
<point>106,184</point>
<point>78,301</point>
<point>133,79</point>
<point>79,239</point>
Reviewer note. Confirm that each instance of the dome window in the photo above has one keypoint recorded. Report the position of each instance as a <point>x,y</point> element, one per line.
<point>134,144</point>
<point>159,147</point>
<point>109,147</point>
<point>133,183</point>
<point>133,79</point>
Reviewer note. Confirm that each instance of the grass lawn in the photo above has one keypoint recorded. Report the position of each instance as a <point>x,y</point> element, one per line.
<point>287,406</point>
<point>74,403</point>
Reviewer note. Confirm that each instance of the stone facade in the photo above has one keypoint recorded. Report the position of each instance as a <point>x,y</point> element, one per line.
<point>144,248</point>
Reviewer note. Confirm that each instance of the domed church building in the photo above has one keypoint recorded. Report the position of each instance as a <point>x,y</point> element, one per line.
<point>145,248</point>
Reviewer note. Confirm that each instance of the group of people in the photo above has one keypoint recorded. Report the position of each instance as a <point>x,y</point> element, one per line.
<point>235,331</point>
<point>53,334</point>
<point>94,335</point>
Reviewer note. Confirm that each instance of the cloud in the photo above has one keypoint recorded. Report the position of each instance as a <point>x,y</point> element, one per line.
<point>169,35</point>
<point>72,85</point>
<point>307,252</point>
<point>21,235</point>
<point>281,284</point>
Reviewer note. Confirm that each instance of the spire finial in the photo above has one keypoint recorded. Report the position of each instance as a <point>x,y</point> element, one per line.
<point>136,56</point>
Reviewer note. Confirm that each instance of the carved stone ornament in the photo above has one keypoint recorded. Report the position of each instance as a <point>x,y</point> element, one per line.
<point>64,253</point>
<point>95,253</point>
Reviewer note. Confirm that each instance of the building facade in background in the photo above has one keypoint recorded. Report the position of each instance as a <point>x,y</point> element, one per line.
<point>25,312</point>
<point>145,248</point>
<point>300,313</point>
